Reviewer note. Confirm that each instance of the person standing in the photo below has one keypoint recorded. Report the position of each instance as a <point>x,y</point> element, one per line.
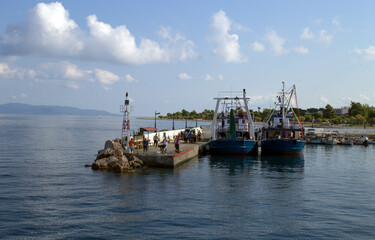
<point>156,140</point>
<point>145,145</point>
<point>177,144</point>
<point>131,145</point>
<point>164,145</point>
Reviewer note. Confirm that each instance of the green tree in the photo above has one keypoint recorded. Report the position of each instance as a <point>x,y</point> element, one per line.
<point>328,112</point>
<point>357,108</point>
<point>184,113</point>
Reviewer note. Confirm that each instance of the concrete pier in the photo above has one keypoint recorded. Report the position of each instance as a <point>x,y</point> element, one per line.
<point>170,159</point>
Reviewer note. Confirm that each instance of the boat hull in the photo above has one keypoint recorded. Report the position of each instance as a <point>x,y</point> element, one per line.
<point>282,146</point>
<point>233,146</point>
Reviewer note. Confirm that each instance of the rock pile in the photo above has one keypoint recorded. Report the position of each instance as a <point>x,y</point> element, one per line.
<point>112,158</point>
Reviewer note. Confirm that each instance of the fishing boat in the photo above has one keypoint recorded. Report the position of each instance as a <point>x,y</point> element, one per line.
<point>280,135</point>
<point>232,130</point>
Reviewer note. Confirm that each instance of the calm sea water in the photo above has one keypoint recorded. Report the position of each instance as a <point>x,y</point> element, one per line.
<point>46,192</point>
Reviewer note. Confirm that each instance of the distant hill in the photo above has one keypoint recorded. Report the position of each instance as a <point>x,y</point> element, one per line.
<point>19,108</point>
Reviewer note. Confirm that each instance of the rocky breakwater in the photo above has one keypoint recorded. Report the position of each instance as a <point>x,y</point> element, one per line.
<point>112,158</point>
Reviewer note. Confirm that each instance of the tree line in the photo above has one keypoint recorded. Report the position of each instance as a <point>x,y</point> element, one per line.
<point>359,114</point>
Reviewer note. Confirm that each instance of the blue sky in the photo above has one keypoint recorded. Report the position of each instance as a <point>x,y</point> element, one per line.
<point>171,55</point>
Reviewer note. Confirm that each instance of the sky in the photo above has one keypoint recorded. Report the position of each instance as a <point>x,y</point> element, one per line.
<point>174,55</point>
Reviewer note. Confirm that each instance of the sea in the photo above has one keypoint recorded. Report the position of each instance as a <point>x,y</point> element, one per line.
<point>46,192</point>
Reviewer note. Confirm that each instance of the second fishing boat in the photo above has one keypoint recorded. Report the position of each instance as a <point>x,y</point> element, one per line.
<point>280,135</point>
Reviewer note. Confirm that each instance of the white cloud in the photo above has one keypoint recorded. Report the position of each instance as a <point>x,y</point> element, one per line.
<point>276,42</point>
<point>221,78</point>
<point>21,95</point>
<point>368,53</point>
<point>72,71</point>
<point>49,31</point>
<point>178,45</point>
<point>325,37</point>
<point>322,36</point>
<point>307,34</point>
<point>184,76</point>
<point>257,47</point>
<point>7,72</point>
<point>207,77</point>
<point>129,78</point>
<point>335,21</point>
<point>364,97</point>
<point>72,85</point>
<point>66,73</point>
<point>323,99</point>
<point>105,77</point>
<point>228,47</point>
<point>301,50</point>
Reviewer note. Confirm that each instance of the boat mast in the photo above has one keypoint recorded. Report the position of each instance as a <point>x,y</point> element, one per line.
<point>282,106</point>
<point>213,126</point>
<point>249,118</point>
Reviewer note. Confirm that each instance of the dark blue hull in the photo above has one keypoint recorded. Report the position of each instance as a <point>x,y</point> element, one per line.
<point>233,146</point>
<point>282,146</point>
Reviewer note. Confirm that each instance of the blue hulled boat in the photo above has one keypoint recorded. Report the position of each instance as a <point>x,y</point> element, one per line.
<point>280,135</point>
<point>232,132</point>
<point>234,146</point>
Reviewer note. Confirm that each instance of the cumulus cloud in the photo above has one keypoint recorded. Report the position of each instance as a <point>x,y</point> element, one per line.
<point>7,71</point>
<point>207,77</point>
<point>368,53</point>
<point>49,31</point>
<point>325,37</point>
<point>184,76</point>
<point>301,50</point>
<point>66,73</point>
<point>307,34</point>
<point>276,42</point>
<point>221,78</point>
<point>321,36</point>
<point>323,99</point>
<point>335,21</point>
<point>105,77</point>
<point>257,47</point>
<point>178,45</point>
<point>364,97</point>
<point>129,78</point>
<point>228,47</point>
<point>21,95</point>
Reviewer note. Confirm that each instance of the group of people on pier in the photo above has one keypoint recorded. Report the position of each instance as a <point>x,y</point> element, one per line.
<point>186,136</point>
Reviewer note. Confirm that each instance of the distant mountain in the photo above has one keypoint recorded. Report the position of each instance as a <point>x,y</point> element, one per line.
<point>19,108</point>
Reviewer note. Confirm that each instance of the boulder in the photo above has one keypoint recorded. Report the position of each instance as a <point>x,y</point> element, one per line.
<point>112,161</point>
<point>117,146</point>
<point>137,165</point>
<point>105,153</point>
<point>140,162</point>
<point>109,144</point>
<point>118,153</point>
<point>100,164</point>
<point>117,168</point>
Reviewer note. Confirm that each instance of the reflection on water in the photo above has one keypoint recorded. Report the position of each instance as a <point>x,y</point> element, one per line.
<point>272,163</point>
<point>283,163</point>
<point>232,163</point>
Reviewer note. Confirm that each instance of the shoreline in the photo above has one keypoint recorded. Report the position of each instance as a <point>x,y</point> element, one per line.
<point>176,119</point>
